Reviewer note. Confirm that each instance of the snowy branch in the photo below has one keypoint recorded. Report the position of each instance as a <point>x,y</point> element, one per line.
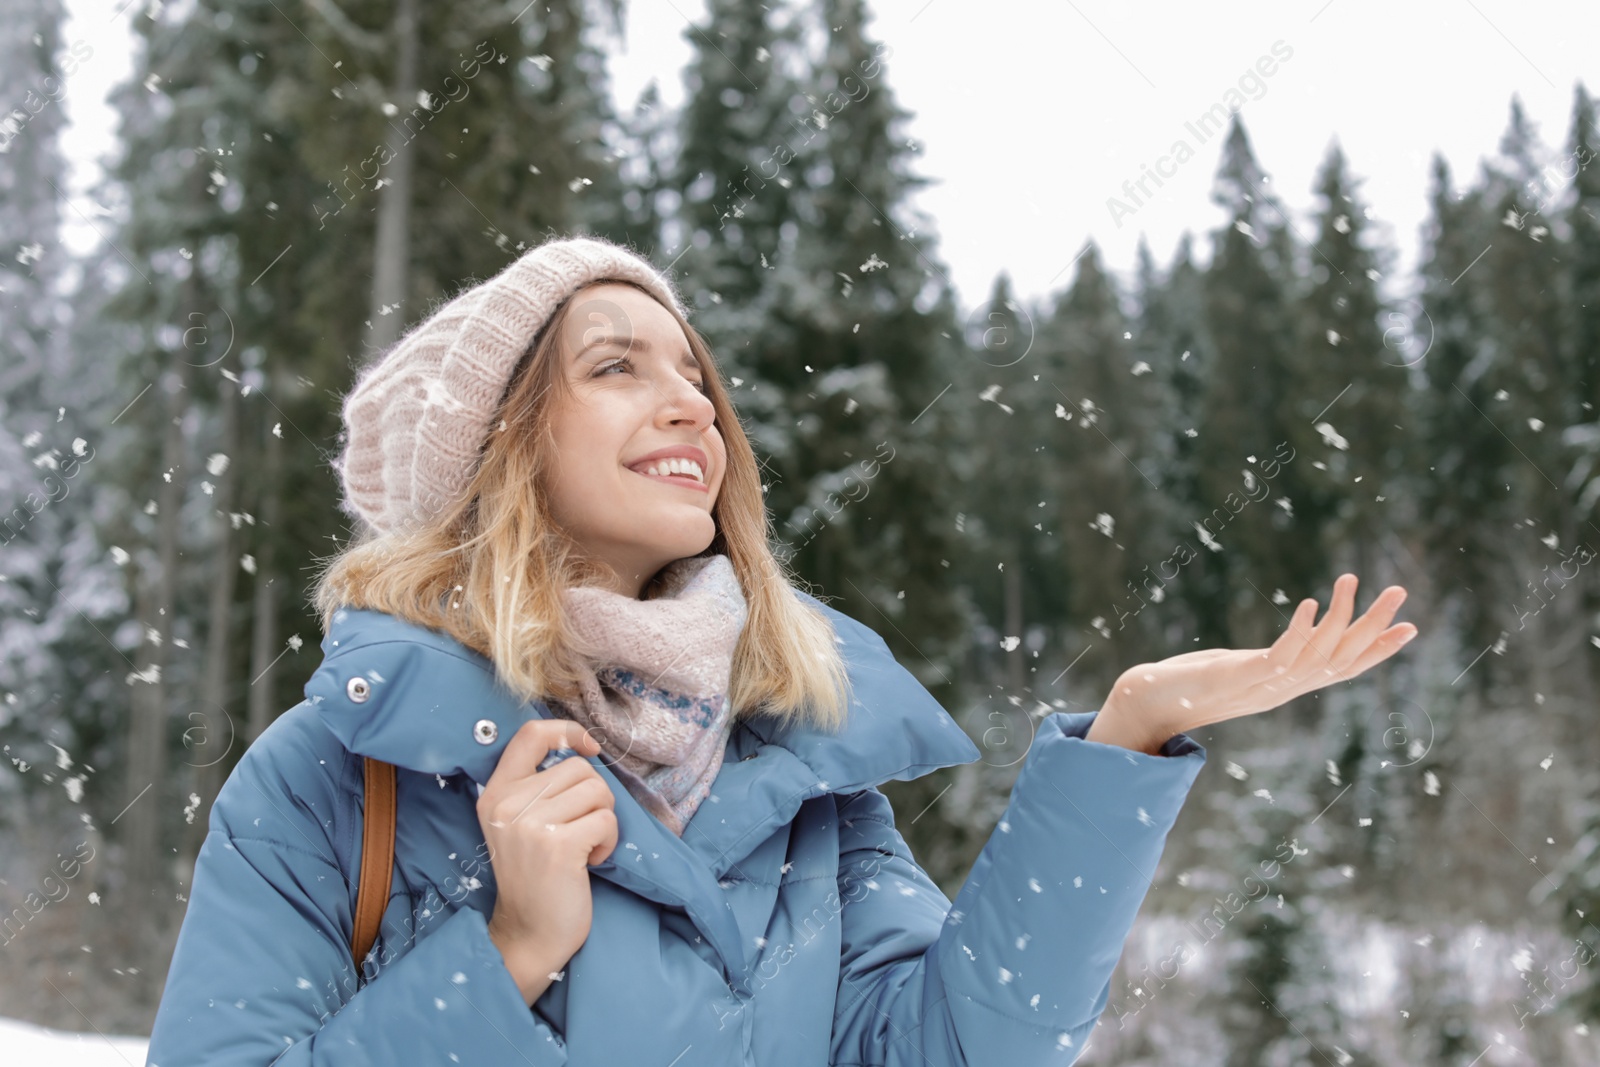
<point>352,34</point>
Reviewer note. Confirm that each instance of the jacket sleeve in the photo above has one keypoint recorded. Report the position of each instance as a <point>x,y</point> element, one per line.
<point>1018,970</point>
<point>261,973</point>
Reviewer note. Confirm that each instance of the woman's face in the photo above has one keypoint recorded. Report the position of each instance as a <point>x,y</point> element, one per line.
<point>636,389</point>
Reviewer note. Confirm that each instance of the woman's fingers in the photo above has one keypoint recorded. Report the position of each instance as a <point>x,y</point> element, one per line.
<point>1316,658</point>
<point>1382,647</point>
<point>1339,651</point>
<point>1278,663</point>
<point>1367,630</point>
<point>1308,657</point>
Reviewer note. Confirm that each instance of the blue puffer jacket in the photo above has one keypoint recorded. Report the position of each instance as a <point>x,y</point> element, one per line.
<point>789,927</point>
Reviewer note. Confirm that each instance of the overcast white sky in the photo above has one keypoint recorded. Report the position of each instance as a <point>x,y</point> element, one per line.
<point>1032,113</point>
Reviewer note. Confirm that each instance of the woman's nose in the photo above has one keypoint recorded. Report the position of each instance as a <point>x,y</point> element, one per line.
<point>686,397</point>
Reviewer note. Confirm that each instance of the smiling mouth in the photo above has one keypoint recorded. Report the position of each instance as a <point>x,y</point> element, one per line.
<point>674,479</point>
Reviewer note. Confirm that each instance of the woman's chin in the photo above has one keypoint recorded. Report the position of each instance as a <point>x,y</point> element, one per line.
<point>678,537</point>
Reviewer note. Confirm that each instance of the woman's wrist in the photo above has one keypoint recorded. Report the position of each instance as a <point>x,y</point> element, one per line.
<point>1112,726</point>
<point>530,969</point>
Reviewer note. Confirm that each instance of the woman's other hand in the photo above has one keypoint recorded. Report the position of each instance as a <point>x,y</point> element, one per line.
<point>1154,701</point>
<point>544,829</point>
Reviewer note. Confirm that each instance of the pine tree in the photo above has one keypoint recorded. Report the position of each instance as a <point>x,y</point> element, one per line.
<point>1251,411</point>
<point>507,137</point>
<point>32,449</point>
<point>1580,169</point>
<point>1465,490</point>
<point>743,152</point>
<point>1346,373</point>
<point>642,161</point>
<point>998,474</point>
<point>1523,279</point>
<point>1101,478</point>
<point>1172,338</point>
<point>1351,392</point>
<point>58,589</point>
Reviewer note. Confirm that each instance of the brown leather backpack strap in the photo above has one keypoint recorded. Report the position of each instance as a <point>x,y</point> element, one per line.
<point>377,856</point>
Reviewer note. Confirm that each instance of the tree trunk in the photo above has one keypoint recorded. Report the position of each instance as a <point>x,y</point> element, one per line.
<point>391,250</point>
<point>144,786</point>
<point>210,733</point>
<point>264,631</point>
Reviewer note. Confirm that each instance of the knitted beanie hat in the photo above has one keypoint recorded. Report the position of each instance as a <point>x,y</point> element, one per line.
<point>416,421</point>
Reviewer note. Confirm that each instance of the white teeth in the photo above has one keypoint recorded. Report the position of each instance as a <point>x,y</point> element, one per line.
<point>675,465</point>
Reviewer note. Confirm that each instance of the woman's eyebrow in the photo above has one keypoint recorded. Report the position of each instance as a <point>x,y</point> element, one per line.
<point>638,344</point>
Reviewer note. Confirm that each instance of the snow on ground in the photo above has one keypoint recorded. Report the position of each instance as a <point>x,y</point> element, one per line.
<point>26,1045</point>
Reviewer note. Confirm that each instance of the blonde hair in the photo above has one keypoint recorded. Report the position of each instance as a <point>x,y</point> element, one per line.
<point>488,570</point>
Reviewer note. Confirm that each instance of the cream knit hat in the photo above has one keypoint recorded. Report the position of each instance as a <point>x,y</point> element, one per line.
<point>417,419</point>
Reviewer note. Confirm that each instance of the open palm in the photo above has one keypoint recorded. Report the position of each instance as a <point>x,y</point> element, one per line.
<point>1200,688</point>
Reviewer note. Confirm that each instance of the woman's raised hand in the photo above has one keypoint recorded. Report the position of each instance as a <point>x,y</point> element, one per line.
<point>1153,701</point>
<point>544,829</point>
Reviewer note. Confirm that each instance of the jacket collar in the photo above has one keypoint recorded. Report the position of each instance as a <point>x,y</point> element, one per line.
<point>428,702</point>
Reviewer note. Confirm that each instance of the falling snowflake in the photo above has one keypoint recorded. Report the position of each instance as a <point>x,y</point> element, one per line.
<point>990,394</point>
<point>1331,436</point>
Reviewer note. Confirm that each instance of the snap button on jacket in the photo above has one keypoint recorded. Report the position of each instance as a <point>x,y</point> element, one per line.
<point>790,926</point>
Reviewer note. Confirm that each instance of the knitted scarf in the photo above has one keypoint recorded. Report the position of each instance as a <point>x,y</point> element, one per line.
<point>657,672</point>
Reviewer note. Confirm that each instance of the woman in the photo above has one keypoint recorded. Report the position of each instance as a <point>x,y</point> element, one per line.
<point>565,548</point>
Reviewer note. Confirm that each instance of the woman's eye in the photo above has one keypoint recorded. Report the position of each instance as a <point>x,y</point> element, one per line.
<point>627,364</point>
